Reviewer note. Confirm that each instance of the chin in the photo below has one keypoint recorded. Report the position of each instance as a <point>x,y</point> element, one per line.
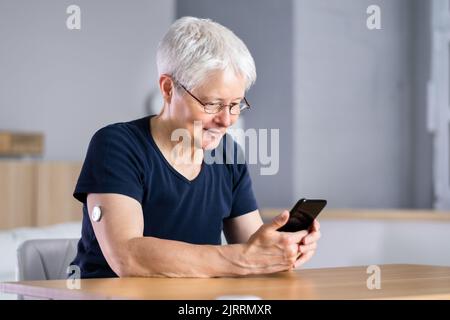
<point>211,143</point>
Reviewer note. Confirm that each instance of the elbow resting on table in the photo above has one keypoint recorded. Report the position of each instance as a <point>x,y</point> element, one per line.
<point>122,266</point>
<point>123,262</point>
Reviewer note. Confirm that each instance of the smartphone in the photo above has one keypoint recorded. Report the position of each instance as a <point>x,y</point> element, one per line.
<point>302,215</point>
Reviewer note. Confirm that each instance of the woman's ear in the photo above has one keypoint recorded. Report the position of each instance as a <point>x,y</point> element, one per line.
<point>166,87</point>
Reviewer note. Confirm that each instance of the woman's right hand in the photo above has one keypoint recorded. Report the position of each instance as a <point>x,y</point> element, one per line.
<point>269,250</point>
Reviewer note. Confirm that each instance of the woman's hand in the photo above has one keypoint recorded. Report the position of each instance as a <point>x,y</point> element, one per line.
<point>308,245</point>
<point>269,250</point>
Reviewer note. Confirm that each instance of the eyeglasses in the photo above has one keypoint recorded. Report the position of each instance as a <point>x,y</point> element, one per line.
<point>212,108</point>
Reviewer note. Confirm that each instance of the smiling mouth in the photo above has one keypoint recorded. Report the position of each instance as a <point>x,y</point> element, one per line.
<point>215,134</point>
<point>212,131</point>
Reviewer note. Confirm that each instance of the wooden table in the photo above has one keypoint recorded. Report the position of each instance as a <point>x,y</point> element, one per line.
<point>399,281</point>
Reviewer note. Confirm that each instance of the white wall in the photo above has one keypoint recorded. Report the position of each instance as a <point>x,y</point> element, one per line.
<point>366,242</point>
<point>68,84</point>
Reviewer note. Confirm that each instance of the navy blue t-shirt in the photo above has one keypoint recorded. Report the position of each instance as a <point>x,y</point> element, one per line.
<point>123,158</point>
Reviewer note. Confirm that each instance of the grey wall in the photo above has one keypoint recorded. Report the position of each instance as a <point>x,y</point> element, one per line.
<point>349,102</point>
<point>266,28</point>
<point>68,84</point>
<point>355,104</point>
<point>423,144</point>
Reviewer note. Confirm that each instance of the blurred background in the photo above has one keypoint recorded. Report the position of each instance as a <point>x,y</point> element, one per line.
<point>363,113</point>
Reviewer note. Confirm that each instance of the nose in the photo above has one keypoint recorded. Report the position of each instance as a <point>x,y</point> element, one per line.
<point>224,117</point>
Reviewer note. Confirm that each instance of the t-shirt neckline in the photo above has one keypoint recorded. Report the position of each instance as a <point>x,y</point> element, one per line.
<point>155,146</point>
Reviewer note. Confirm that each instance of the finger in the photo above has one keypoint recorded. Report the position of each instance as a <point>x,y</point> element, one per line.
<point>312,237</point>
<point>278,221</point>
<point>309,247</point>
<point>291,253</point>
<point>303,259</point>
<point>316,225</point>
<point>295,237</point>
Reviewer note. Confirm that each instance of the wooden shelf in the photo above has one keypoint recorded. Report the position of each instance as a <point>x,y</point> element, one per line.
<point>38,193</point>
<point>21,144</point>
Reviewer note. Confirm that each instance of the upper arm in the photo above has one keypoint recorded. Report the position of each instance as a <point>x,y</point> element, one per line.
<point>239,229</point>
<point>121,220</point>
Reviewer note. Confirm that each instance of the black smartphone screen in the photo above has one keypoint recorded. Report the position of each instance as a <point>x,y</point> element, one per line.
<point>303,214</point>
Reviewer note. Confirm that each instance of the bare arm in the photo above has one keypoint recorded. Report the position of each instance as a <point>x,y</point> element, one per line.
<point>239,229</point>
<point>129,253</point>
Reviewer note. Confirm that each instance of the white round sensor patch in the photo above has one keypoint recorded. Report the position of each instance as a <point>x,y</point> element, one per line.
<point>96,214</point>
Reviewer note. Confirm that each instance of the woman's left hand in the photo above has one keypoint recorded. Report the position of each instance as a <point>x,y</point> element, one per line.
<point>308,245</point>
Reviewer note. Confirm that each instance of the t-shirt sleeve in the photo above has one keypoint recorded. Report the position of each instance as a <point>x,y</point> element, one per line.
<point>113,164</point>
<point>244,200</point>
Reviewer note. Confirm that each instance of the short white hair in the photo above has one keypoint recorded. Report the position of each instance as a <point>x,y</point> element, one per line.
<point>193,47</point>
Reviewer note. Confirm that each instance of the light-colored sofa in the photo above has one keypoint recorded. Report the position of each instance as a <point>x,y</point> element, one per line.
<point>11,239</point>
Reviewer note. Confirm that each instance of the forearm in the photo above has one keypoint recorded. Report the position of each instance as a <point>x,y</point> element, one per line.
<point>154,257</point>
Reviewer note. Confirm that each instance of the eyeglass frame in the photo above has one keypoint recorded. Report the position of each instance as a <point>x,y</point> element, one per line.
<point>221,105</point>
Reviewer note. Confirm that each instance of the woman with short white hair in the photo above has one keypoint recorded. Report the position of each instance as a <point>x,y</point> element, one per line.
<point>158,216</point>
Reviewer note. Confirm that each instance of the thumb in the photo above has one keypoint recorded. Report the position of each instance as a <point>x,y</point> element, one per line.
<point>279,221</point>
